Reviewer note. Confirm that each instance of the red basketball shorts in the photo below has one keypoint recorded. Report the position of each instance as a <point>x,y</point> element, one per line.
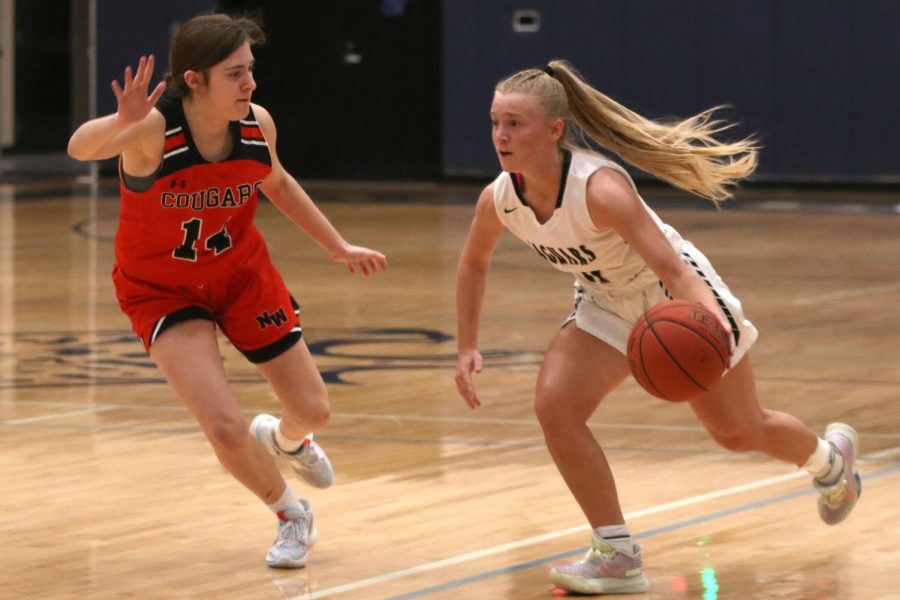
<point>251,305</point>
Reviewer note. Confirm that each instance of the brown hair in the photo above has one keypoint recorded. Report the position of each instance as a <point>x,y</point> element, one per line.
<point>205,41</point>
<point>684,153</point>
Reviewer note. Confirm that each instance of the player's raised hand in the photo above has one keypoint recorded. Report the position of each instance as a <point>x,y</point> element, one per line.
<point>134,103</point>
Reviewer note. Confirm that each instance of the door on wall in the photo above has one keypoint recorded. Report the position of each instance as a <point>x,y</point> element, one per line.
<point>353,86</point>
<point>7,70</point>
<point>42,77</point>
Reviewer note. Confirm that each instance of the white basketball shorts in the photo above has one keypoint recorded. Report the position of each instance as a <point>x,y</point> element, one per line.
<point>610,318</point>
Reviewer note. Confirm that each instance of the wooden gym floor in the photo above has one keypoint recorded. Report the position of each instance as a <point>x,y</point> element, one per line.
<point>110,491</point>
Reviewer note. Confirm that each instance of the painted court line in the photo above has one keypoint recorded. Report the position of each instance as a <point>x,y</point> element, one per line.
<point>841,295</point>
<point>440,564</point>
<point>886,453</point>
<point>478,421</point>
<point>364,416</point>
<point>93,408</point>
<point>60,415</point>
<point>394,418</point>
<point>642,535</point>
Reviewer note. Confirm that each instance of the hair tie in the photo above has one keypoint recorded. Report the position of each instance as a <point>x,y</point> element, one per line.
<point>549,71</point>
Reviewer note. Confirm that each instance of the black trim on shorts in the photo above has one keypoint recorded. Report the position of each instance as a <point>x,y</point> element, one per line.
<point>278,347</point>
<point>181,315</point>
<point>259,355</point>
<point>735,330</point>
<point>275,349</point>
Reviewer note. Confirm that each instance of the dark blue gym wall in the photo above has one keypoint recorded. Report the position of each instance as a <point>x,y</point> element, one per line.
<point>817,80</point>
<point>127,29</point>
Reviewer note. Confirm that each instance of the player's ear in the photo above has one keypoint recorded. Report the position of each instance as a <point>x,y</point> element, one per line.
<point>194,79</point>
<point>559,128</point>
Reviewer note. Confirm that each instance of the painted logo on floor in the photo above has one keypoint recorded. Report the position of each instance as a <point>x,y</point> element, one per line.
<point>41,359</point>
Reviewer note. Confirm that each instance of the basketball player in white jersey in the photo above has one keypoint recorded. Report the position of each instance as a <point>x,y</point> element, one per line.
<point>583,215</point>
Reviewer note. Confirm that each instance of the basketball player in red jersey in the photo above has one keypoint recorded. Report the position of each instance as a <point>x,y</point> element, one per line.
<point>582,214</point>
<point>193,155</point>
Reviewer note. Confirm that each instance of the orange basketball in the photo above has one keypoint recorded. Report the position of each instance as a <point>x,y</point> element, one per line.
<point>677,350</point>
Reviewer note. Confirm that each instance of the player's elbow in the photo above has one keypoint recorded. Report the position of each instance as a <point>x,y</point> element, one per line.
<point>74,150</point>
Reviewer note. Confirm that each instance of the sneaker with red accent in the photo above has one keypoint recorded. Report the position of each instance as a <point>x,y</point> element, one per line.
<point>309,462</point>
<point>836,500</point>
<point>603,570</point>
<point>295,535</point>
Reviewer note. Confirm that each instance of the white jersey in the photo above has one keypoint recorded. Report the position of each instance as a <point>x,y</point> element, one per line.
<point>613,284</point>
<point>602,262</point>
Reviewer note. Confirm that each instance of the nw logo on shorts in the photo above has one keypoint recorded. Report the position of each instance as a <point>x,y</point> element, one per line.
<point>265,319</point>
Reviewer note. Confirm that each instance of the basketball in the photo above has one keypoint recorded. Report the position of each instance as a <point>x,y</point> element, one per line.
<point>677,350</point>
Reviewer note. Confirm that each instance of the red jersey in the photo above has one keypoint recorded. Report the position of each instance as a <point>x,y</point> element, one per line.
<point>192,221</point>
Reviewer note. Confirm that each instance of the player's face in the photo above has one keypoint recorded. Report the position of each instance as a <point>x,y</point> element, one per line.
<point>523,134</point>
<point>230,84</point>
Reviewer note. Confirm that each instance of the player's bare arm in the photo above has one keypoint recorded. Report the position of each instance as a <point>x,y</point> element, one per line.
<point>612,202</point>
<point>289,196</point>
<point>471,279</point>
<point>135,130</point>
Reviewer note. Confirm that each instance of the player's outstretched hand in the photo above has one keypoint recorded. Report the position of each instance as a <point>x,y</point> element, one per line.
<point>361,259</point>
<point>134,103</point>
<point>469,361</point>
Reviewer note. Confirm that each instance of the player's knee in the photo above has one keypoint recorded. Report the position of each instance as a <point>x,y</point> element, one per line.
<point>554,420</point>
<point>319,415</point>
<point>226,434</point>
<point>738,440</point>
<point>543,411</point>
<point>308,413</point>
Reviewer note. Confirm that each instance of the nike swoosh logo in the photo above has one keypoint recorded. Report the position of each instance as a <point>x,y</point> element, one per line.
<point>509,210</point>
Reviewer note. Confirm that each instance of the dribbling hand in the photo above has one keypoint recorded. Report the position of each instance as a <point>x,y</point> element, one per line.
<point>134,103</point>
<point>715,309</point>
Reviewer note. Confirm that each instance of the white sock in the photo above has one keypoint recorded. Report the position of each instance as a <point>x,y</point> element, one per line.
<point>618,537</point>
<point>288,445</point>
<point>824,463</point>
<point>288,501</point>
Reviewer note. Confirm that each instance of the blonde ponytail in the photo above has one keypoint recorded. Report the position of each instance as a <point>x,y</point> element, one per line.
<point>684,153</point>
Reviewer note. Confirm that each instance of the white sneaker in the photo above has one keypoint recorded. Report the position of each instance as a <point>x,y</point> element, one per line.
<point>838,499</point>
<point>309,462</point>
<point>295,535</point>
<point>603,570</point>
